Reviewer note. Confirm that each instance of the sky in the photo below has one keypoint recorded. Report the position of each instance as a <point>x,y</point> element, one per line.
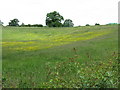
<point>81,12</point>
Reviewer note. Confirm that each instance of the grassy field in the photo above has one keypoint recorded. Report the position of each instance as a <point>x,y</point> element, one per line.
<point>60,57</point>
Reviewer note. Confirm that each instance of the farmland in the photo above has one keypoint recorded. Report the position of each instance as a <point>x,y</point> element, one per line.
<point>35,57</point>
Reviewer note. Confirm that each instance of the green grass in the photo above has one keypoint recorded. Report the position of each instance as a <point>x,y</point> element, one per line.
<point>27,52</point>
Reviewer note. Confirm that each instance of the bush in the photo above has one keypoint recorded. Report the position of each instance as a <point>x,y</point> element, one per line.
<point>97,24</point>
<point>72,74</point>
<point>29,25</point>
<point>68,23</point>
<point>87,25</point>
<point>37,25</point>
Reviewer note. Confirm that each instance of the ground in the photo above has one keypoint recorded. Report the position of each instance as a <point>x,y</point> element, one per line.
<point>27,53</point>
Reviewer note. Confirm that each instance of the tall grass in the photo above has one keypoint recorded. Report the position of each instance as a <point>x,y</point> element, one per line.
<point>73,74</point>
<point>33,56</point>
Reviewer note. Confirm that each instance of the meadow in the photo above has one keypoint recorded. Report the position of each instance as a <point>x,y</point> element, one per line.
<point>74,57</point>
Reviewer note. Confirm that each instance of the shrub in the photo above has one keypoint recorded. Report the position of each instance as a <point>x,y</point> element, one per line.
<point>73,74</point>
<point>87,25</point>
<point>68,23</point>
<point>97,24</point>
<point>34,25</point>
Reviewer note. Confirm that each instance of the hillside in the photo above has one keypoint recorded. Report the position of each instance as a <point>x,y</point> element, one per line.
<point>28,51</point>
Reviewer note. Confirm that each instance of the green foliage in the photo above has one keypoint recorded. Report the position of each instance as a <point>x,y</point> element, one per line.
<point>1,23</point>
<point>28,68</point>
<point>112,24</point>
<point>37,25</point>
<point>53,19</point>
<point>97,24</point>
<point>87,25</point>
<point>22,25</point>
<point>73,74</point>
<point>29,25</point>
<point>14,22</point>
<point>68,23</point>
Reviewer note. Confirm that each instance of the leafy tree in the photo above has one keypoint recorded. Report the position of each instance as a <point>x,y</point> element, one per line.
<point>68,23</point>
<point>87,25</point>
<point>53,19</point>
<point>29,25</point>
<point>97,24</point>
<point>22,24</point>
<point>14,22</point>
<point>1,23</point>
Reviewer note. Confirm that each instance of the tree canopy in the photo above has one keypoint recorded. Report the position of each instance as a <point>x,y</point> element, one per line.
<point>53,19</point>
<point>97,24</point>
<point>1,23</point>
<point>68,23</point>
<point>87,25</point>
<point>14,22</point>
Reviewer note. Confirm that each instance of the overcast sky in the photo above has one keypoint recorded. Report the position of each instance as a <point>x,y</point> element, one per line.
<point>81,12</point>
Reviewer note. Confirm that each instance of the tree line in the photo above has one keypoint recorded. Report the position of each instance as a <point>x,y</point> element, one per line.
<point>53,19</point>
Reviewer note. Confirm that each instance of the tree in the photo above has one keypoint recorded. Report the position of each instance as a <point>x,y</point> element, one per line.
<point>97,24</point>
<point>29,25</point>
<point>1,23</point>
<point>53,19</point>
<point>68,23</point>
<point>14,22</point>
<point>87,25</point>
<point>22,24</point>
<point>37,25</point>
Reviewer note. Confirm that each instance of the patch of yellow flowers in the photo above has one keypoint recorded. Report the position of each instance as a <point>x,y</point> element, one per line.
<point>29,48</point>
<point>15,43</point>
<point>53,41</point>
<point>78,37</point>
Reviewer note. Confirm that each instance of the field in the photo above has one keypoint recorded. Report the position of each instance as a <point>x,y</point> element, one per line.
<point>83,56</point>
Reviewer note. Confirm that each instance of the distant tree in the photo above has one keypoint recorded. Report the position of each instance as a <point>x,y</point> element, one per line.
<point>111,23</point>
<point>29,25</point>
<point>1,23</point>
<point>37,25</point>
<point>97,24</point>
<point>68,23</point>
<point>87,25</point>
<point>14,22</point>
<point>53,19</point>
<point>22,24</point>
